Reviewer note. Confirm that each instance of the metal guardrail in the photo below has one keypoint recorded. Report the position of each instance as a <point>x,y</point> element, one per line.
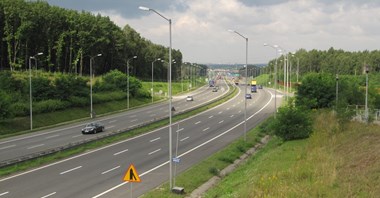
<point>71,145</point>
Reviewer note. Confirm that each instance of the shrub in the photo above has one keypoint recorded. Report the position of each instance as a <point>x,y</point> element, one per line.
<point>49,106</point>
<point>20,108</point>
<point>5,103</point>
<point>76,101</point>
<point>108,96</point>
<point>292,123</point>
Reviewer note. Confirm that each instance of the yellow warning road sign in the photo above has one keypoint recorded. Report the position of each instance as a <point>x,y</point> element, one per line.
<point>131,175</point>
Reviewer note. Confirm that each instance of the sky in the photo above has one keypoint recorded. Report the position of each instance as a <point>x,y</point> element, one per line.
<point>200,27</point>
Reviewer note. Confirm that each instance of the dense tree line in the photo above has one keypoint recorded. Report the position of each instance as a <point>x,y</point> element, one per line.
<point>68,39</point>
<point>332,61</point>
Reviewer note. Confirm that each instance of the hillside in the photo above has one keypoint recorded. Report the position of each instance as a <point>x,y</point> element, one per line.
<point>336,161</point>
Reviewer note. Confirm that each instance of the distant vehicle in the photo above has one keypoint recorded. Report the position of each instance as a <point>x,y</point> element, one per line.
<point>260,86</point>
<point>211,83</point>
<point>93,127</point>
<point>248,96</point>
<point>215,89</point>
<point>253,86</point>
<point>189,98</point>
<point>236,81</point>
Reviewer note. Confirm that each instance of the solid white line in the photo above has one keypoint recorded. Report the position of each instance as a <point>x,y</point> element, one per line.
<point>154,151</point>
<point>220,112</point>
<point>184,139</point>
<point>206,129</point>
<point>228,108</point>
<point>181,129</point>
<point>120,152</point>
<point>53,136</point>
<point>211,116</point>
<point>75,136</point>
<point>221,121</point>
<point>4,193</point>
<point>49,195</point>
<point>155,139</point>
<point>64,172</point>
<point>134,120</point>
<point>107,171</point>
<point>197,122</point>
<point>10,146</point>
<point>112,121</point>
<point>35,146</point>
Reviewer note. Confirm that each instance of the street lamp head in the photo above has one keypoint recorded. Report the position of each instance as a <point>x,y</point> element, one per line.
<point>40,53</point>
<point>134,57</point>
<point>99,55</point>
<point>158,59</point>
<point>275,46</point>
<point>265,44</point>
<point>144,8</point>
<point>231,30</point>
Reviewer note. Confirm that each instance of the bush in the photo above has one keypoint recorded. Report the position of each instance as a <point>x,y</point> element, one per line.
<point>292,123</point>
<point>5,106</point>
<point>76,101</point>
<point>49,106</point>
<point>108,96</point>
<point>20,108</point>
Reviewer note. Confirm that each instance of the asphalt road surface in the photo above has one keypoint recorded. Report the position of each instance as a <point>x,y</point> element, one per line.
<point>16,147</point>
<point>99,173</point>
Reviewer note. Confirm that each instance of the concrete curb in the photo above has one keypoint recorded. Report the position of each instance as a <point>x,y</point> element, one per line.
<point>197,193</point>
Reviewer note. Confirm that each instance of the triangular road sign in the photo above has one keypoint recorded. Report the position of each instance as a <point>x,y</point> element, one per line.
<point>131,175</point>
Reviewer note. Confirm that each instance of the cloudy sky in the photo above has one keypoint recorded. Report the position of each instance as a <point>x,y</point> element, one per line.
<point>200,26</point>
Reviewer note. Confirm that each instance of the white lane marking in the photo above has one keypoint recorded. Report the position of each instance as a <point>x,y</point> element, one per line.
<point>134,120</point>
<point>112,121</point>
<point>120,152</point>
<point>221,121</point>
<point>153,115</point>
<point>239,111</point>
<point>220,112</point>
<point>184,139</point>
<point>73,169</point>
<point>228,108</point>
<point>51,194</point>
<point>234,105</point>
<point>10,146</point>
<point>110,127</point>
<point>181,129</point>
<point>197,122</point>
<point>132,116</point>
<point>4,193</point>
<point>53,136</point>
<point>206,129</point>
<point>155,139</point>
<point>107,171</point>
<point>154,151</point>
<point>231,116</point>
<point>211,116</point>
<point>35,146</point>
<point>75,136</point>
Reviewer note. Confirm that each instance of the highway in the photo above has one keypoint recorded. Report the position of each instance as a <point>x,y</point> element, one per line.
<point>99,173</point>
<point>19,146</point>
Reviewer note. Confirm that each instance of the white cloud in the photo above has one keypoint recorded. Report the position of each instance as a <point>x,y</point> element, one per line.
<point>199,28</point>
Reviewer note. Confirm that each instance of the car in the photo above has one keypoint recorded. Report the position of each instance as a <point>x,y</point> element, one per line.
<point>260,86</point>
<point>214,89</point>
<point>189,98</point>
<point>93,127</point>
<point>248,96</point>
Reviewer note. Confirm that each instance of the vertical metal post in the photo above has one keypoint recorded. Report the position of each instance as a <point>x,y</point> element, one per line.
<point>30,94</point>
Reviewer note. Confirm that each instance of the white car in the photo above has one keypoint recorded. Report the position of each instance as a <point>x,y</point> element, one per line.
<point>189,98</point>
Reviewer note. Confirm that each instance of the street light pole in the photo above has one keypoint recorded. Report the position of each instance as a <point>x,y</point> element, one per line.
<point>152,75</point>
<point>134,57</point>
<point>30,88</point>
<point>275,47</point>
<point>92,60</point>
<point>337,91</point>
<point>170,93</point>
<point>246,82</point>
<point>366,94</point>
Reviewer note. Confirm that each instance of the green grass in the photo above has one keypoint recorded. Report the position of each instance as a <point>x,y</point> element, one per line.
<point>335,161</point>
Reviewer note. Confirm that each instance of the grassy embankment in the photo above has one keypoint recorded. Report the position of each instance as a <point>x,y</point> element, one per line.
<point>334,162</point>
<point>21,125</point>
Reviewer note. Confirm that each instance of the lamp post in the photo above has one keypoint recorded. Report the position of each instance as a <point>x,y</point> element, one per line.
<point>275,47</point>
<point>170,92</point>
<point>366,94</point>
<point>246,82</point>
<point>336,94</point>
<point>134,57</point>
<point>152,75</point>
<point>92,60</point>
<point>30,87</point>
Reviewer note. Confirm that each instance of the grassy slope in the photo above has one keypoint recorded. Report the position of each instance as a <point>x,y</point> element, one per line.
<point>331,163</point>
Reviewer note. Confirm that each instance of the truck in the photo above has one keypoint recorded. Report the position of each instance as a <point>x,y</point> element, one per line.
<point>211,83</point>
<point>253,86</point>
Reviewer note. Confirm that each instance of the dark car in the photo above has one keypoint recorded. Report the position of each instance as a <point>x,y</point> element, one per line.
<point>248,96</point>
<point>215,89</point>
<point>260,86</point>
<point>189,98</point>
<point>93,127</point>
